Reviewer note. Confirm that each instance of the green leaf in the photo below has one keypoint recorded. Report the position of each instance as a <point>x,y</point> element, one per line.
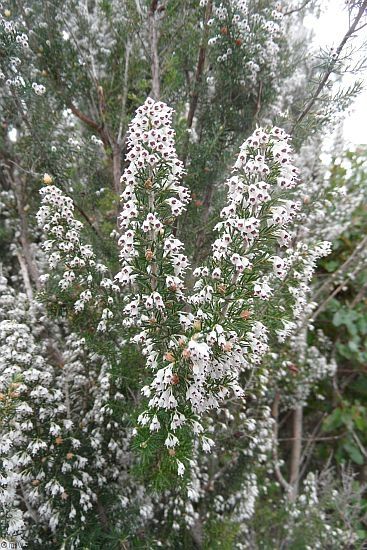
<point>360,385</point>
<point>361,534</point>
<point>353,345</point>
<point>354,453</point>
<point>333,421</point>
<point>331,265</point>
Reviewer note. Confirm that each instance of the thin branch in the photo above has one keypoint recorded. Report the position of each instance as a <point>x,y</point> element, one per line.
<point>336,291</point>
<point>359,443</point>
<point>30,172</point>
<point>341,270</point>
<point>112,147</point>
<point>84,118</point>
<point>361,27</point>
<point>311,442</point>
<point>275,413</point>
<point>219,473</point>
<point>26,259</point>
<point>31,511</point>
<point>359,296</point>
<point>25,276</point>
<point>289,12</point>
<point>44,152</point>
<point>311,439</point>
<point>296,452</point>
<point>124,89</point>
<point>200,66</point>
<point>258,102</point>
<point>153,28</point>
<point>352,29</point>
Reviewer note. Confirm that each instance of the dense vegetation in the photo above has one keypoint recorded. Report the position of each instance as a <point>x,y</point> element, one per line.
<point>183,318</point>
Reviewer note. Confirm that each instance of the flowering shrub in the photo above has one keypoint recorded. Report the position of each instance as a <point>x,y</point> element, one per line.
<point>200,346</point>
<point>167,378</point>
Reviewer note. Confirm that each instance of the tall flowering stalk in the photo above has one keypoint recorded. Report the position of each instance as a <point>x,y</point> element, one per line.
<point>153,263</point>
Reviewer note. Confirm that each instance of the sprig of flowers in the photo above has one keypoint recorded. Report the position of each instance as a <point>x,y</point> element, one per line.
<point>153,264</point>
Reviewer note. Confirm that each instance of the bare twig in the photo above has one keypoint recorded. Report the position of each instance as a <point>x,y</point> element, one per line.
<point>25,256</point>
<point>359,443</point>
<point>275,413</point>
<point>336,291</point>
<point>219,473</point>
<point>36,138</point>
<point>258,102</point>
<point>301,7</point>
<point>25,276</point>
<point>199,67</point>
<point>153,28</point>
<point>359,296</point>
<point>84,118</point>
<point>124,89</point>
<point>341,269</point>
<point>311,442</point>
<point>31,511</point>
<point>296,452</point>
<point>352,29</point>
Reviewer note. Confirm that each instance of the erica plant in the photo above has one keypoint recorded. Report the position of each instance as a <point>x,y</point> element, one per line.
<point>202,341</point>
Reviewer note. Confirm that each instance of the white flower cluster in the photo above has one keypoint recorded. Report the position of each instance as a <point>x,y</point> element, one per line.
<point>153,197</point>
<point>14,37</point>
<point>244,500</point>
<point>65,249</point>
<point>309,507</point>
<point>90,392</point>
<point>58,440</point>
<point>56,217</point>
<point>248,35</point>
<point>226,287</point>
<point>154,169</point>
<point>39,89</point>
<point>33,422</point>
<point>298,268</point>
<point>301,366</point>
<point>11,29</point>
